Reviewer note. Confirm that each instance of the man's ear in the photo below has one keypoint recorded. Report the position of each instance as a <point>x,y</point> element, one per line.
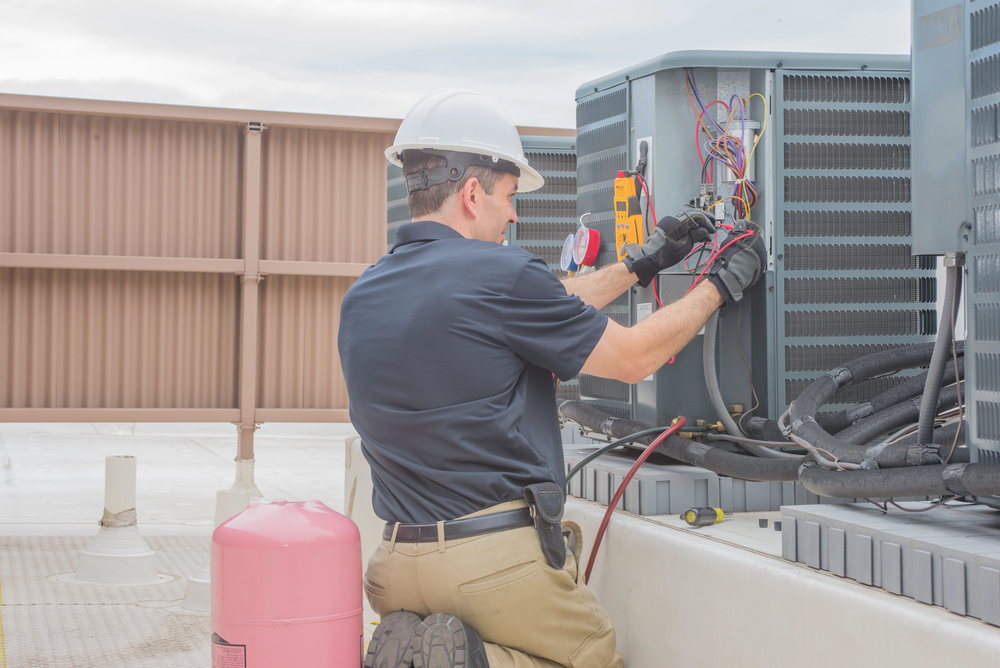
<point>470,194</point>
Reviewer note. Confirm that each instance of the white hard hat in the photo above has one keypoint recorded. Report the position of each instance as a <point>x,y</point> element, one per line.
<point>454,120</point>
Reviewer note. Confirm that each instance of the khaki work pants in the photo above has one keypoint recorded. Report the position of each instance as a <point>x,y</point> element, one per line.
<point>528,613</point>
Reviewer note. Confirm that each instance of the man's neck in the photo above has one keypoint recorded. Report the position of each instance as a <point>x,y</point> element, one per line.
<point>459,225</point>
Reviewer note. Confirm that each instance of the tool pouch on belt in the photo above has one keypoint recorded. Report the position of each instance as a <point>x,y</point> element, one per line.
<point>546,502</point>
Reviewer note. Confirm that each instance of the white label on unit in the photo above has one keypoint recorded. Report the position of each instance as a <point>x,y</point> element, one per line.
<point>642,311</point>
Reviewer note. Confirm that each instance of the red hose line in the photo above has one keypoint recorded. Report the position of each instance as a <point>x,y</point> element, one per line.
<point>621,490</point>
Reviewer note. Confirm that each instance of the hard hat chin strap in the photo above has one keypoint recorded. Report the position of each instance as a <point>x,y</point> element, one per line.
<point>455,169</point>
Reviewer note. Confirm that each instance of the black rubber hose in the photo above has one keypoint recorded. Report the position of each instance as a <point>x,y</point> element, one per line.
<point>912,387</point>
<point>719,461</point>
<point>763,429</point>
<point>943,438</point>
<point>897,416</point>
<point>723,462</point>
<point>944,480</point>
<point>942,351</point>
<point>597,420</point>
<point>818,393</point>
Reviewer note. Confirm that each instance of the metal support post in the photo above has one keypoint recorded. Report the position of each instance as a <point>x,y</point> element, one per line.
<point>248,313</point>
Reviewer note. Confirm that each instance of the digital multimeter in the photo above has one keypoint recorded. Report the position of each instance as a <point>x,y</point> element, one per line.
<point>628,214</point>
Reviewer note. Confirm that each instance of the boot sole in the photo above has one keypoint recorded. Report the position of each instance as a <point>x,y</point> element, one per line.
<point>393,641</point>
<point>441,643</point>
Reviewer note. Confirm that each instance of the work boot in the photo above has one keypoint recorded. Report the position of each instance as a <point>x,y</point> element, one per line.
<point>445,642</point>
<point>393,641</point>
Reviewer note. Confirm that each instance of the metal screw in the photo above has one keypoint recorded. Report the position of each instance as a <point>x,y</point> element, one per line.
<point>779,65</point>
<point>780,256</point>
<point>864,67</point>
<point>770,288</point>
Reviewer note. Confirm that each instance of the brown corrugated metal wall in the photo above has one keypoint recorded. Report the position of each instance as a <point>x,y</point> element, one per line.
<point>163,263</point>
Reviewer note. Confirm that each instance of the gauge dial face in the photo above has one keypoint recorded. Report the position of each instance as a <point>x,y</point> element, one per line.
<point>566,262</point>
<point>587,244</point>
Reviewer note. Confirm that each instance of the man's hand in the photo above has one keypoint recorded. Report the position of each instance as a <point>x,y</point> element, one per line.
<point>671,242</point>
<point>740,265</point>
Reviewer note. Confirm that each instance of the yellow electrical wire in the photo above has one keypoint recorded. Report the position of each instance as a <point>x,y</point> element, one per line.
<point>763,128</point>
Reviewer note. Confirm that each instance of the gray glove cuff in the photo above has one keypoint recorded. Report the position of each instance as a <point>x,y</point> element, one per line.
<point>739,273</point>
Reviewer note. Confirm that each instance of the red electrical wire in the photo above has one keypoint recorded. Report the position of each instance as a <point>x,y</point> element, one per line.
<point>649,200</point>
<point>621,490</point>
<point>715,255</point>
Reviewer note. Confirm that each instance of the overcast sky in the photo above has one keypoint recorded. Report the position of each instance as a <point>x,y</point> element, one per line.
<point>376,57</point>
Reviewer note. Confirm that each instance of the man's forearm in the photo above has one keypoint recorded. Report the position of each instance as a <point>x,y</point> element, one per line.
<point>629,354</point>
<point>666,332</point>
<point>599,288</point>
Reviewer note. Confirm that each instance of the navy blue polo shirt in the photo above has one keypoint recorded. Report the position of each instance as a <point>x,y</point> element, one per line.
<point>448,346</point>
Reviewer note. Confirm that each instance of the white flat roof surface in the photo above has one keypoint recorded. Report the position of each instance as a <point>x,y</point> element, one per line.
<point>52,496</point>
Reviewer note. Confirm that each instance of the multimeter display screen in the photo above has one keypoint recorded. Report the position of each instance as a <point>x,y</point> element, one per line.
<point>620,206</point>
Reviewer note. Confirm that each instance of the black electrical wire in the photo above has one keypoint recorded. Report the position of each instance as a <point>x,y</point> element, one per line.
<point>604,449</point>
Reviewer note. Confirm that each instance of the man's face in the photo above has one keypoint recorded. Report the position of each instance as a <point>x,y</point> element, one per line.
<point>496,211</point>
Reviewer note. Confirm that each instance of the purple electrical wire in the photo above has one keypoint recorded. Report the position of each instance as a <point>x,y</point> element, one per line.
<point>694,86</point>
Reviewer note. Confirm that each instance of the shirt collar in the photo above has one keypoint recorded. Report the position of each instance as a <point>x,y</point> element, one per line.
<point>423,230</point>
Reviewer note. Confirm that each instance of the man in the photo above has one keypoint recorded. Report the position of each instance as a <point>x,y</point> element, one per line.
<point>449,345</point>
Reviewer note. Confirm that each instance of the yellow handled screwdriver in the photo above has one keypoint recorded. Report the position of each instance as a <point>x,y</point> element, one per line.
<point>702,517</point>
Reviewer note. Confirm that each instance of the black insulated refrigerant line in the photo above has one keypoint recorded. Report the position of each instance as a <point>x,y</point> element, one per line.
<point>942,350</point>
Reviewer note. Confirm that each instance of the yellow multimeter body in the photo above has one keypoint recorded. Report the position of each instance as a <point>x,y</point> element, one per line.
<point>628,214</point>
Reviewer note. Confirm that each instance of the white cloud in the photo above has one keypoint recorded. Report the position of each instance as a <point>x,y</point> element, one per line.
<point>376,57</point>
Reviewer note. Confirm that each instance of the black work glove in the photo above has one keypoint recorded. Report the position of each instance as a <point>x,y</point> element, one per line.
<point>671,241</point>
<point>740,265</point>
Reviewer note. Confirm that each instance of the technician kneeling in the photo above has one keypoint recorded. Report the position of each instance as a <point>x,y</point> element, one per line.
<point>449,344</point>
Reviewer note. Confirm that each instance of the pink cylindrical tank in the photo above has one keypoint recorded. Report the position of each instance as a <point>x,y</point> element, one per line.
<point>286,588</point>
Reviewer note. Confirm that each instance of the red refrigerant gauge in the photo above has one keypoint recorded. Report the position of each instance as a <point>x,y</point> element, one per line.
<point>588,242</point>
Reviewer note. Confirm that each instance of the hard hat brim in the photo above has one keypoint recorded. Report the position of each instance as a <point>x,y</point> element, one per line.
<point>529,180</point>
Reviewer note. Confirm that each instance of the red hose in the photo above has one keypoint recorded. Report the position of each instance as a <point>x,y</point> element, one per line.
<point>621,490</point>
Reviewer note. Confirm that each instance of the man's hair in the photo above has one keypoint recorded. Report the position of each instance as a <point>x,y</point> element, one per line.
<point>430,200</point>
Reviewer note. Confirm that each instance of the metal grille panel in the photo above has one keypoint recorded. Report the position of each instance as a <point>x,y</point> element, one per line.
<point>847,156</point>
<point>984,27</point>
<point>986,176</point>
<point>607,389</point>
<point>846,123</point>
<point>847,189</point>
<point>851,89</point>
<point>984,125</point>
<point>847,223</point>
<point>868,276</point>
<point>988,420</point>
<point>815,257</point>
<point>855,394</point>
<point>824,358</point>
<point>983,262</point>
<point>871,290</point>
<point>986,224</point>
<point>985,76</point>
<point>545,217</point>
<point>603,134</point>
<point>860,323</point>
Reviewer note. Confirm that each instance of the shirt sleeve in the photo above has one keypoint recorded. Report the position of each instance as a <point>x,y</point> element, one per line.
<point>548,327</point>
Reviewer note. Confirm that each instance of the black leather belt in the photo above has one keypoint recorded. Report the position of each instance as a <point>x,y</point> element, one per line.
<point>463,528</point>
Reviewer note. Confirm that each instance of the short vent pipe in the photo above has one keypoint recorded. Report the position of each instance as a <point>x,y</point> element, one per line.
<point>118,554</point>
